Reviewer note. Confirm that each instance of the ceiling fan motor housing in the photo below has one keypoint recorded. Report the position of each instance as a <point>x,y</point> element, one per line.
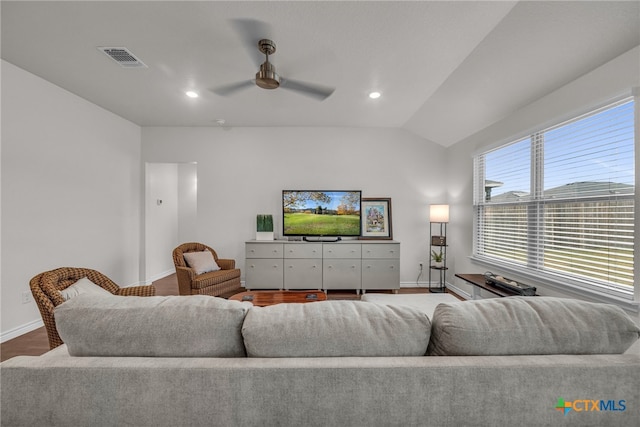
<point>267,78</point>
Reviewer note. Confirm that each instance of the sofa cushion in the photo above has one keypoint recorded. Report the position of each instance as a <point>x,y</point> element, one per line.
<point>201,262</point>
<point>169,326</point>
<point>83,286</point>
<point>335,328</point>
<point>530,325</point>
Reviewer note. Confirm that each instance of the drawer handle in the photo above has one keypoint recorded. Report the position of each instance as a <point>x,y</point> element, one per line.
<point>330,266</point>
<point>314,266</point>
<point>291,266</point>
<point>252,266</point>
<point>392,267</point>
<point>275,266</point>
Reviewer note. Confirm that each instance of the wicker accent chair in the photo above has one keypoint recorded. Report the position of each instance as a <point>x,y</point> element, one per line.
<point>214,283</point>
<point>46,288</point>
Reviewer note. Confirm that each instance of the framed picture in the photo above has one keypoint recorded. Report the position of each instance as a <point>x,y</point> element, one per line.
<point>376,218</point>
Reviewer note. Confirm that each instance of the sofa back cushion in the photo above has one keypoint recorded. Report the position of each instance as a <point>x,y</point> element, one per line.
<point>335,328</point>
<point>169,326</point>
<point>530,325</point>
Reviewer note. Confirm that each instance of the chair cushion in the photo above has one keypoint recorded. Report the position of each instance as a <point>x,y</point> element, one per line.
<point>335,328</point>
<point>201,262</point>
<point>214,278</point>
<point>83,286</point>
<point>169,326</point>
<point>530,325</point>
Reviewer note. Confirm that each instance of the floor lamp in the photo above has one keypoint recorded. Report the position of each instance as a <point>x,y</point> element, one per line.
<point>438,215</point>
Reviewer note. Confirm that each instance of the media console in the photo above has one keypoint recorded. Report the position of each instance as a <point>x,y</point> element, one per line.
<point>347,264</point>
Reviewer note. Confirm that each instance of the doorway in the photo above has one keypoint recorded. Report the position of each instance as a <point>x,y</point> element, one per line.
<point>171,211</point>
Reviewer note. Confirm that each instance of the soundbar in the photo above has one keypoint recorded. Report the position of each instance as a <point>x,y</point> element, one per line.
<point>321,239</point>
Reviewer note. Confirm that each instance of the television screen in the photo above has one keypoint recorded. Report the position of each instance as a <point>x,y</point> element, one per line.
<point>321,213</point>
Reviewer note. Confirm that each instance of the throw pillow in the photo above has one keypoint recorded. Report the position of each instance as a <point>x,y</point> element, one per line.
<point>169,326</point>
<point>530,325</point>
<point>83,286</point>
<point>201,262</point>
<point>334,329</point>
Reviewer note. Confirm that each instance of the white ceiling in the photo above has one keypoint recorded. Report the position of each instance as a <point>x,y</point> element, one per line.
<point>445,69</point>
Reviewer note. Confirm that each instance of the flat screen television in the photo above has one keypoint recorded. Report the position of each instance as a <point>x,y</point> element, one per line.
<point>321,213</point>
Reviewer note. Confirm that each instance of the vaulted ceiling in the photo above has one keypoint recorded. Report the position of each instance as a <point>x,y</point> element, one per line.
<point>445,69</point>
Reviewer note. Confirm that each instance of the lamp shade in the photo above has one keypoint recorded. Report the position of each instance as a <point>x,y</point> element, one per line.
<point>439,213</point>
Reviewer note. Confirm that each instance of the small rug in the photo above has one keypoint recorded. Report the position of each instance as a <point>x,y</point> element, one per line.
<point>424,302</point>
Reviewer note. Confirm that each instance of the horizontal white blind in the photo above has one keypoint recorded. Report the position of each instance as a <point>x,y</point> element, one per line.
<point>593,240</point>
<point>591,156</point>
<point>562,200</point>
<point>507,173</point>
<point>504,232</point>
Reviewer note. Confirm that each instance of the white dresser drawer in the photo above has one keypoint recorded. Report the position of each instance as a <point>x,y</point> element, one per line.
<point>303,273</point>
<point>263,250</point>
<point>263,273</point>
<point>303,250</point>
<point>381,251</point>
<point>341,250</point>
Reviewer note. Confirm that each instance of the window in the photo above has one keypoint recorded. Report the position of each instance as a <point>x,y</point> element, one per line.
<point>560,203</point>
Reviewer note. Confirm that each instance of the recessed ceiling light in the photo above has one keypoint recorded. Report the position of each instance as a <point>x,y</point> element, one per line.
<point>191,94</point>
<point>374,95</point>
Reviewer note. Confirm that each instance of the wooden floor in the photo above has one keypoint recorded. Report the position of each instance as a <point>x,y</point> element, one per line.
<point>35,343</point>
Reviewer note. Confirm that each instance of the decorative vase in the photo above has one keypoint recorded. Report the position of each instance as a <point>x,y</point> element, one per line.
<point>264,227</point>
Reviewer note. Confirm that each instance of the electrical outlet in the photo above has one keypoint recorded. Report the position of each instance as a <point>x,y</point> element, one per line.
<point>26,297</point>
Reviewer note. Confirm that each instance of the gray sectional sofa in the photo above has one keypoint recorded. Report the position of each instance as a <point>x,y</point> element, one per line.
<point>205,361</point>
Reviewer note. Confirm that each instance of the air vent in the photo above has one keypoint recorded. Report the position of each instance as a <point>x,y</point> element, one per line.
<point>123,57</point>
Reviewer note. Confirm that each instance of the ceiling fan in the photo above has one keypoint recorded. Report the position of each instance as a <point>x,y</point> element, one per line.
<point>266,77</point>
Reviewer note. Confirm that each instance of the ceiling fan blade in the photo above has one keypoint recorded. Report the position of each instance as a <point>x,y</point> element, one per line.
<point>232,88</point>
<point>251,31</point>
<point>310,89</point>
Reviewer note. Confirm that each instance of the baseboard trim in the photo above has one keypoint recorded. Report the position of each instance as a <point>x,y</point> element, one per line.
<point>155,277</point>
<point>458,291</point>
<point>21,330</point>
<point>455,289</point>
<point>414,284</point>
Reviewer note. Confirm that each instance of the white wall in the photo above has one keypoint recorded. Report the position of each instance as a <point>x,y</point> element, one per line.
<point>242,172</point>
<point>70,191</point>
<point>610,80</point>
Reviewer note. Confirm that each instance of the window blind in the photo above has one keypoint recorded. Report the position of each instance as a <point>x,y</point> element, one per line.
<point>562,200</point>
